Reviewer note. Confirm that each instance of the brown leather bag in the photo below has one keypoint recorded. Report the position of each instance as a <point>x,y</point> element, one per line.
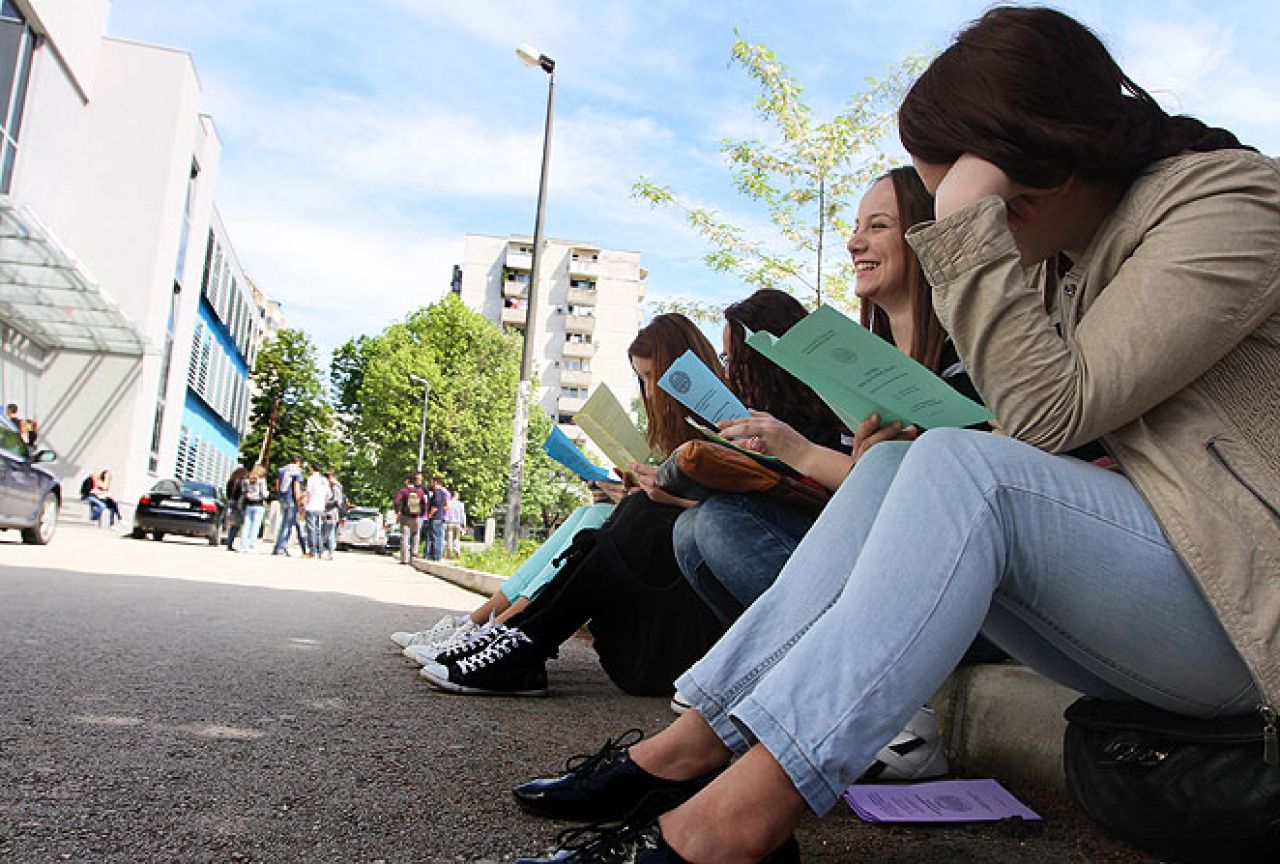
<point>699,469</point>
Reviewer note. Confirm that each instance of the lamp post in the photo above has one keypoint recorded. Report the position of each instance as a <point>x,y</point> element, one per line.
<point>422,433</point>
<point>511,531</point>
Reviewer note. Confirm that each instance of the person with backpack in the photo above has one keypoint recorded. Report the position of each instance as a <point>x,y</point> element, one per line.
<point>93,491</point>
<point>289,492</point>
<point>253,494</point>
<point>235,506</point>
<point>409,505</point>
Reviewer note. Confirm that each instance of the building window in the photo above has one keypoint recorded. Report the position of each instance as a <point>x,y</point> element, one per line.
<point>576,364</point>
<point>583,284</point>
<point>17,45</point>
<point>577,338</point>
<point>573,392</point>
<point>583,311</point>
<point>563,418</point>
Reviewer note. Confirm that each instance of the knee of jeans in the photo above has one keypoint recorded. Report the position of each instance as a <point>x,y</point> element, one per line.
<point>939,451</point>
<point>684,540</point>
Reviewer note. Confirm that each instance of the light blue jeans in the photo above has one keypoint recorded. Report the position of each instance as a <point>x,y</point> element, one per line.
<point>1059,562</point>
<point>538,570</point>
<point>252,523</point>
<point>315,532</point>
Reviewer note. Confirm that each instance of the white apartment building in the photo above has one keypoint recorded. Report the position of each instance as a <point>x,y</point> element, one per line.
<point>106,209</point>
<point>588,313</point>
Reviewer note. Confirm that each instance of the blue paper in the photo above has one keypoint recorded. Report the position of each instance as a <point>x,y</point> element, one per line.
<point>560,448</point>
<point>697,388</point>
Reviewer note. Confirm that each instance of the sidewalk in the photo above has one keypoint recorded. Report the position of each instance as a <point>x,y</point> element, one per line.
<point>1003,721</point>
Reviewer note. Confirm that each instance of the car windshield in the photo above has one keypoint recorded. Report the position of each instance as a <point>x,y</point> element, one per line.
<point>362,513</point>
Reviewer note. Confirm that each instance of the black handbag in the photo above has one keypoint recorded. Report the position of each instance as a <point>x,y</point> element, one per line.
<point>1178,785</point>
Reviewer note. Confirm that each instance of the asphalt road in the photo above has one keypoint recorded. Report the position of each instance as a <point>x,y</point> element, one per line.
<point>172,702</point>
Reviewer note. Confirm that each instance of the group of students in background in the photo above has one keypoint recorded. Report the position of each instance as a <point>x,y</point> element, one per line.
<point>1105,277</point>
<point>310,506</point>
<point>431,519</point>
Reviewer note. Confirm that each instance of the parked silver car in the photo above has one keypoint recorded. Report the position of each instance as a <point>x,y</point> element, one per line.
<point>30,496</point>
<point>362,528</point>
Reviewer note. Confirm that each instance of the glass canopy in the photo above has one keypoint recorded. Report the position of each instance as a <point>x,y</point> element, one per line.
<point>46,295</point>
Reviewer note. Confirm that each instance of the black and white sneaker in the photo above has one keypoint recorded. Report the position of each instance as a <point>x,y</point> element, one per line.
<point>915,753</point>
<point>509,665</point>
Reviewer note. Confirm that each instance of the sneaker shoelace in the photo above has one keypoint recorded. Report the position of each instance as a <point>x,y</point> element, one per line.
<point>469,640</point>
<point>494,651</point>
<point>619,839</point>
<point>585,764</point>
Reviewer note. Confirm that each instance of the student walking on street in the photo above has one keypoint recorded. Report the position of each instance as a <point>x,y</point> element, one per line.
<point>409,505</point>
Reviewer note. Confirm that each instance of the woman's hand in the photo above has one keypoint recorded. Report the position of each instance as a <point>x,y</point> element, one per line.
<point>972,178</point>
<point>765,433</point>
<point>607,492</point>
<point>647,480</point>
<point>870,432</point>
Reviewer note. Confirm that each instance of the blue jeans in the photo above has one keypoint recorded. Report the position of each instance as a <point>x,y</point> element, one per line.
<point>330,539</point>
<point>732,547</point>
<point>435,539</point>
<point>315,531</point>
<point>538,570</point>
<point>1061,563</point>
<point>288,518</point>
<point>252,524</point>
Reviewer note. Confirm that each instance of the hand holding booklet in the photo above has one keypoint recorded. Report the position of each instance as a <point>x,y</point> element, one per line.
<point>697,388</point>
<point>858,374</point>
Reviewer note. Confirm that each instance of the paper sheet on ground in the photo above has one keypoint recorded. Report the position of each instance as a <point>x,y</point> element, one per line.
<point>940,801</point>
<point>697,388</point>
<point>857,374</point>
<point>606,423</point>
<point>560,448</point>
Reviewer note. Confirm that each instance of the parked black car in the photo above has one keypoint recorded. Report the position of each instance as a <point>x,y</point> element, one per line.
<point>30,496</point>
<point>190,508</point>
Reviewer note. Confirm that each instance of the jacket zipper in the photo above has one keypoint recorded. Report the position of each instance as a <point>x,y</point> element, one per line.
<point>1270,740</point>
<point>1257,493</point>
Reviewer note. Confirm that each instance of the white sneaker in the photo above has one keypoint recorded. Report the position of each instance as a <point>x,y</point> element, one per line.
<point>460,643</point>
<point>443,629</point>
<point>679,704</point>
<point>915,753</point>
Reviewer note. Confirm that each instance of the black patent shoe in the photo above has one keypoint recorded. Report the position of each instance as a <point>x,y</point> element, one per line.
<point>604,785</point>
<point>633,842</point>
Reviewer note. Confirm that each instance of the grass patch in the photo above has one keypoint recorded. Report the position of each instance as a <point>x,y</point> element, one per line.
<point>497,560</point>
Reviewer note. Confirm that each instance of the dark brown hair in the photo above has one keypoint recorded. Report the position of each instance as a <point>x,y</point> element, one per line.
<point>664,339</point>
<point>1036,93</point>
<point>915,205</point>
<point>761,383</point>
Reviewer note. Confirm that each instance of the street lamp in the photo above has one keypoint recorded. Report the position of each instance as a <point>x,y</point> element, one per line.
<point>422,434</point>
<point>511,531</point>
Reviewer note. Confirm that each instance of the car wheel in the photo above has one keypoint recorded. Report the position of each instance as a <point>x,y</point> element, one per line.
<point>42,532</point>
<point>137,533</point>
<point>157,535</point>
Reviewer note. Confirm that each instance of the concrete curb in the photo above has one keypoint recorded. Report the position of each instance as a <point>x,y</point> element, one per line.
<point>998,720</point>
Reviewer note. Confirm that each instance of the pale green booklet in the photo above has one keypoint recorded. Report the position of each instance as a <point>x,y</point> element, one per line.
<point>607,424</point>
<point>857,374</point>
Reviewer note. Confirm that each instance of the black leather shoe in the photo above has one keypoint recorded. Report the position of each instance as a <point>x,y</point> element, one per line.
<point>605,785</point>
<point>633,843</point>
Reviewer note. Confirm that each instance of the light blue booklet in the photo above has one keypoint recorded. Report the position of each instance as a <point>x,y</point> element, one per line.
<point>697,388</point>
<point>560,448</point>
<point>857,374</point>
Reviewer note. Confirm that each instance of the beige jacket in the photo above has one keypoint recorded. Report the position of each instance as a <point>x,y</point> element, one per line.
<point>1169,353</point>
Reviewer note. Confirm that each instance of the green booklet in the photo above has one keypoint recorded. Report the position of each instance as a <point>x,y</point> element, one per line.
<point>607,424</point>
<point>857,374</point>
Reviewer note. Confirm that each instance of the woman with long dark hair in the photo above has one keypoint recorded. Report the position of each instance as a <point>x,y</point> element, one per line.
<point>1110,275</point>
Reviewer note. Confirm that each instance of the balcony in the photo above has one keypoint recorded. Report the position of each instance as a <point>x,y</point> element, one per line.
<point>582,297</point>
<point>567,405</point>
<point>514,317</point>
<point>518,260</point>
<point>585,350</point>
<point>579,266</point>
<point>514,288</point>
<point>575,378</point>
<point>579,324</point>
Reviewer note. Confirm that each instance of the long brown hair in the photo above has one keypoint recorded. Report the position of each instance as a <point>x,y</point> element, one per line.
<point>761,383</point>
<point>664,339</point>
<point>1036,93</point>
<point>915,205</point>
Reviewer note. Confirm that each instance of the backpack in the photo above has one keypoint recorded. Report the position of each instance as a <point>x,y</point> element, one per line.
<point>413,504</point>
<point>87,486</point>
<point>337,499</point>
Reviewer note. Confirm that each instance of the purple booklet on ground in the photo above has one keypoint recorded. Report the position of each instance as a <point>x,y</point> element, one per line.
<point>940,801</point>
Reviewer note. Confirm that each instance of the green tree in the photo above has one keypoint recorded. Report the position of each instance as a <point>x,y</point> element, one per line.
<point>472,367</point>
<point>290,404</point>
<point>807,179</point>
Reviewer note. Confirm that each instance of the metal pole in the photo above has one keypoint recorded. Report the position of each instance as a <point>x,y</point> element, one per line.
<point>422,433</point>
<point>524,396</point>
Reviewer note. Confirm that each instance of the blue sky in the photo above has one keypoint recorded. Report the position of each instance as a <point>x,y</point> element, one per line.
<point>363,141</point>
